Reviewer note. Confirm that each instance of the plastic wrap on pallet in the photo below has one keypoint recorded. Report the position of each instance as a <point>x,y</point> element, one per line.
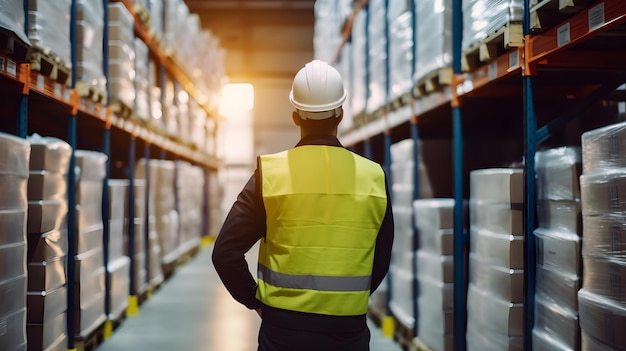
<point>45,305</point>
<point>175,12</point>
<point>559,250</point>
<point>558,171</point>
<point>119,275</point>
<point>498,217</point>
<point>603,193</point>
<point>13,259</point>
<point>605,276</point>
<point>344,66</point>
<point>604,147</point>
<point>49,27</point>
<point>142,83</point>
<point>358,95</point>
<point>44,185</point>
<point>589,343</point>
<point>45,216</point>
<point>166,215</point>
<point>91,315</point>
<point>14,159</point>
<point>435,326</point>
<point>502,282</point>
<point>434,36</point>
<point>46,275</point>
<point>377,56</point>
<point>400,300</point>
<point>435,266</point>
<point>497,185</point>
<point>170,110</point>
<point>434,220</point>
<point>188,49</point>
<point>189,179</point>
<point>156,18</point>
<point>49,154</point>
<point>198,119</point>
<point>482,18</point>
<point>12,291</point>
<point>558,287</point>
<point>14,331</point>
<point>329,20</point>
<point>504,250</point>
<point>494,315</point>
<point>605,236</point>
<point>12,226</point>
<point>438,293</point>
<point>560,215</point>
<point>602,318</point>
<point>543,341</point>
<point>89,39</point>
<point>48,336</point>
<point>121,54</point>
<point>182,102</point>
<point>559,323</point>
<point>400,48</point>
<point>118,207</point>
<point>48,245</point>
<point>12,18</point>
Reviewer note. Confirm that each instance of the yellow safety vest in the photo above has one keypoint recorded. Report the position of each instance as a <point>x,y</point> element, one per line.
<point>324,207</point>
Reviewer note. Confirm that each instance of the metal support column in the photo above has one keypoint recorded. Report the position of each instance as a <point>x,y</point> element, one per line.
<point>133,304</point>
<point>416,195</point>
<point>22,116</point>
<point>71,236</point>
<point>146,220</point>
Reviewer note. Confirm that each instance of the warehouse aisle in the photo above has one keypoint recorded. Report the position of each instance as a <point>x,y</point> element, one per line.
<point>192,311</point>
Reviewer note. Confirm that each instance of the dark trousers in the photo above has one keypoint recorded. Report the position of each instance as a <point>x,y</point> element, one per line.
<point>273,338</point>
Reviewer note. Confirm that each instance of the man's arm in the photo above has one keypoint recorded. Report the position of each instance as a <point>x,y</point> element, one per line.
<point>243,227</point>
<point>384,242</point>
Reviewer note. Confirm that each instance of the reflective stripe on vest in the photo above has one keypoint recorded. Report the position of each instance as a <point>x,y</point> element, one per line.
<point>324,207</point>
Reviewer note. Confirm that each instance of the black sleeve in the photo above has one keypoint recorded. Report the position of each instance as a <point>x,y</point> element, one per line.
<point>243,227</point>
<point>384,242</point>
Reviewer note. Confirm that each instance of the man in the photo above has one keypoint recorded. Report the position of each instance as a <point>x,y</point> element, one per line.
<point>323,216</point>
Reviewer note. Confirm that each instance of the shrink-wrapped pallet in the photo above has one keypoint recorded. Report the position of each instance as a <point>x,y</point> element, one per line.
<point>182,102</point>
<point>558,170</point>
<point>140,273</point>
<point>358,95</point>
<point>165,210</point>
<point>377,43</point>
<point>89,40</point>
<point>14,160</point>
<point>121,55</point>
<point>330,17</point>
<point>433,48</point>
<point>12,19</point>
<point>561,324</point>
<point>118,213</point>
<point>344,66</point>
<point>89,284</point>
<point>49,28</point>
<point>401,49</point>
<point>142,82</point>
<point>189,179</point>
<point>602,318</point>
<point>482,18</point>
<point>156,18</point>
<point>604,148</point>
<point>118,271</point>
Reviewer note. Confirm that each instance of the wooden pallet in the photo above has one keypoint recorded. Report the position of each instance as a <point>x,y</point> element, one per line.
<point>508,36</point>
<point>400,101</point>
<point>434,81</point>
<point>92,340</point>
<point>50,66</point>
<point>120,109</point>
<point>142,13</point>
<point>87,90</point>
<point>419,345</point>
<point>545,14</point>
<point>404,336</point>
<point>12,46</point>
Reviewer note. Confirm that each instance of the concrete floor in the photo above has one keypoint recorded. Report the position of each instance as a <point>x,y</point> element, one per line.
<point>192,311</point>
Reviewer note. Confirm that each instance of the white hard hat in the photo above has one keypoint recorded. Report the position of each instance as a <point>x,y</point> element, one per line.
<point>317,91</point>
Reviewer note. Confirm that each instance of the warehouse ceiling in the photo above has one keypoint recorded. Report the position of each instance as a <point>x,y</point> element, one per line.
<point>262,38</point>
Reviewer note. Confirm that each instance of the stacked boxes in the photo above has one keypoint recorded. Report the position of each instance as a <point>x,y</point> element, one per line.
<point>146,209</point>
<point>558,238</point>
<point>140,273</point>
<point>434,30</point>
<point>121,54</point>
<point>482,18</point>
<point>329,20</point>
<point>12,18</point>
<point>49,28</point>
<point>89,255</point>
<point>89,40</point>
<point>118,264</point>
<point>377,55</point>
<point>47,243</point>
<point>156,18</point>
<point>358,95</point>
<point>602,299</point>
<point>14,158</point>
<point>165,210</point>
<point>142,80</point>
<point>182,102</point>
<point>495,310</point>
<point>189,179</point>
<point>400,47</point>
<point>434,221</point>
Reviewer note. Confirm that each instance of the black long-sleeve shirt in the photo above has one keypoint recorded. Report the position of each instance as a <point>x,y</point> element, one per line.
<point>246,224</point>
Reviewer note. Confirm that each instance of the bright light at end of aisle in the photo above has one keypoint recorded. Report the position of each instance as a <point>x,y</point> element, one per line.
<point>237,98</point>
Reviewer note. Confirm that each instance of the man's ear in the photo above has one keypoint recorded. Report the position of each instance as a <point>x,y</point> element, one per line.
<point>296,118</point>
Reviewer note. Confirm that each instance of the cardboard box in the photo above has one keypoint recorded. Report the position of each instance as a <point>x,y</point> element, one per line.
<point>496,217</point>
<point>498,249</point>
<point>438,293</point>
<point>603,191</point>
<point>46,275</point>
<point>562,325</point>
<point>13,336</point>
<point>49,154</point>
<point>12,261</point>
<point>491,314</point>
<point>558,171</point>
<point>560,215</point>
<point>89,238</point>
<point>118,198</point>
<point>589,343</point>
<point>88,262</point>
<point>46,216</point>
<point>91,164</point>
<point>119,275</point>
<point>14,155</point>
<point>604,235</point>
<point>504,283</point>
<point>43,306</point>
<point>602,318</point>
<point>434,214</point>
<point>43,335</point>
<point>90,315</point>
<point>47,246</point>
<point>497,185</point>
<point>480,339</point>
<point>435,266</point>
<point>117,237</point>
<point>12,226</point>
<point>558,250</point>
<point>605,276</point>
<point>44,185</point>
<point>12,294</point>
<point>604,147</point>
<point>433,338</point>
<point>560,288</point>
<point>542,340</point>
<point>89,285</point>
<point>14,194</point>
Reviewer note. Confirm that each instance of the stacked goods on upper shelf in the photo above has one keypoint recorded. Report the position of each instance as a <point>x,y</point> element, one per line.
<point>400,48</point>
<point>190,200</point>
<point>495,310</point>
<point>89,40</point>
<point>377,37</point>
<point>434,221</point>
<point>156,19</point>
<point>330,17</point>
<point>154,97</point>
<point>146,205</point>
<point>89,254</point>
<point>47,243</point>
<point>358,95</point>
<point>14,158</point>
<point>118,263</point>
<point>197,126</point>
<point>602,301</point>
<point>169,107</point>
<point>482,19</point>
<point>12,25</point>
<point>182,102</point>
<point>558,238</point>
<point>121,59</point>
<point>141,9</point>
<point>434,37</point>
<point>49,33</point>
<point>141,106</point>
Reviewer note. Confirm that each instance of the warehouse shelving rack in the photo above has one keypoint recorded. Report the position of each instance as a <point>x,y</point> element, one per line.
<point>557,74</point>
<point>34,103</point>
